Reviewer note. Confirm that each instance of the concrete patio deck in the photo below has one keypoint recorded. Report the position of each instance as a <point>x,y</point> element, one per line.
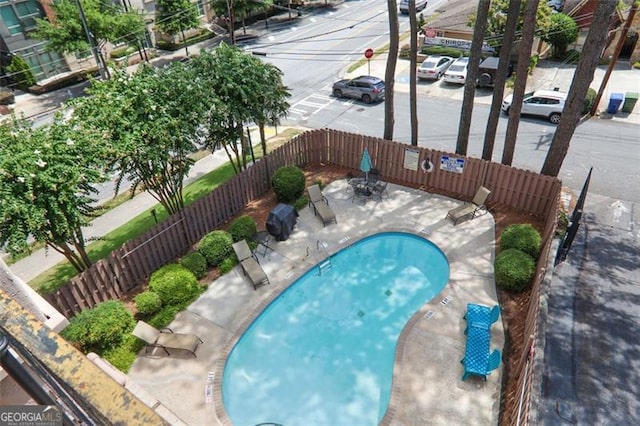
<point>427,385</point>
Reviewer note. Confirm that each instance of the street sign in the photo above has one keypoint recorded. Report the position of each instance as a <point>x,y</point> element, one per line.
<point>368,53</point>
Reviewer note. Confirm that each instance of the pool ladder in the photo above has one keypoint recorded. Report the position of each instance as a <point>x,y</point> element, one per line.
<point>321,256</point>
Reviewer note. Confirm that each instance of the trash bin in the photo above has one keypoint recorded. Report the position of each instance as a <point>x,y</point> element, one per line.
<point>630,99</point>
<point>614,102</point>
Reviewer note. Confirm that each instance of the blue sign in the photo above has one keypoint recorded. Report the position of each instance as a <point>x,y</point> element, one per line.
<point>451,164</point>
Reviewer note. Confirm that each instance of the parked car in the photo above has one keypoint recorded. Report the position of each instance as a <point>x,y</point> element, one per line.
<point>542,103</point>
<point>404,6</point>
<point>457,72</point>
<point>556,5</point>
<point>488,70</point>
<point>434,67</point>
<point>367,89</point>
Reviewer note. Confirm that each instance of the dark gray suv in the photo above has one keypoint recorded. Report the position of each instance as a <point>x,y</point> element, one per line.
<point>367,89</point>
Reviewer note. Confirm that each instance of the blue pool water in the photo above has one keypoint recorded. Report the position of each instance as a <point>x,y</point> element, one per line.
<point>322,353</point>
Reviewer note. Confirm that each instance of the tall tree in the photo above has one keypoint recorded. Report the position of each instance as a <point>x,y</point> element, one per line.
<point>271,104</point>
<point>583,76</point>
<point>389,76</point>
<point>505,46</point>
<point>562,32</point>
<point>472,74</point>
<point>522,72</point>
<point>499,15</point>
<point>106,21</point>
<point>173,16</point>
<point>46,187</point>
<point>413,54</point>
<point>239,85</point>
<point>151,120</point>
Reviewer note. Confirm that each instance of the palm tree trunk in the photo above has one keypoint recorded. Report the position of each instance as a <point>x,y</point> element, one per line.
<point>501,76</point>
<point>591,52</point>
<point>472,74</point>
<point>389,76</point>
<point>413,94</point>
<point>522,72</point>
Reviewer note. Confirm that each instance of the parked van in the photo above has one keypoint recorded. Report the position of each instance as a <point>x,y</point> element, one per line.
<point>404,6</point>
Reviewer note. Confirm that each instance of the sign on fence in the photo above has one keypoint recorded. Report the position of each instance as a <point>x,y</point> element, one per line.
<point>411,159</point>
<point>451,164</point>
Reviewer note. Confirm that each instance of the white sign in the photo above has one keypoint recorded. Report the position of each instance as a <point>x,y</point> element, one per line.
<point>454,42</point>
<point>451,164</point>
<point>411,159</point>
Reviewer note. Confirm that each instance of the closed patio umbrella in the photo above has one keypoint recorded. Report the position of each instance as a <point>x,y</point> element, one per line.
<point>365,163</point>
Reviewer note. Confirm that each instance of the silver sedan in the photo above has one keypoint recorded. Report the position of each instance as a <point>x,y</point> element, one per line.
<point>434,67</point>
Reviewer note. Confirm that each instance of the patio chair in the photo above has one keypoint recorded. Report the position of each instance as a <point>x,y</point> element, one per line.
<point>361,193</point>
<point>165,338</point>
<point>250,265</point>
<point>472,209</point>
<point>320,205</point>
<point>378,190</point>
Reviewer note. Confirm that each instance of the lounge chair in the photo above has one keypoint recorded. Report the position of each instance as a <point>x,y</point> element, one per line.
<point>250,265</point>
<point>165,338</point>
<point>320,205</point>
<point>471,209</point>
<point>481,315</point>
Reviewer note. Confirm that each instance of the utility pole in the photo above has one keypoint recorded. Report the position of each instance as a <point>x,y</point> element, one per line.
<point>614,59</point>
<point>94,48</point>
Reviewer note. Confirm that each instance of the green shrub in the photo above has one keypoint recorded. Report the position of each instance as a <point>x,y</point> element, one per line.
<point>588,100</point>
<point>443,51</point>
<point>228,264</point>
<point>288,183</point>
<point>523,237</point>
<point>175,284</point>
<point>514,269</point>
<point>243,228</point>
<point>122,51</point>
<point>301,203</point>
<point>100,328</point>
<point>164,316</point>
<point>148,302</point>
<point>215,247</point>
<point>21,73</point>
<point>196,263</point>
<point>124,355</point>
<point>533,63</point>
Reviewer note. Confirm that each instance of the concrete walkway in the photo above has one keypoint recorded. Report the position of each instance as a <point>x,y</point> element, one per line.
<point>427,386</point>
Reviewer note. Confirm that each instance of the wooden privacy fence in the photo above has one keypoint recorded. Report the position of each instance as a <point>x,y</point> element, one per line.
<point>130,266</point>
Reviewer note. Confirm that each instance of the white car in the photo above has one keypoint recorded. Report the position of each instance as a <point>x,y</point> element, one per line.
<point>404,6</point>
<point>434,67</point>
<point>543,103</point>
<point>457,72</point>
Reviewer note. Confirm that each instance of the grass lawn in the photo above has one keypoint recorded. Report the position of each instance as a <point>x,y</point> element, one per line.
<point>57,276</point>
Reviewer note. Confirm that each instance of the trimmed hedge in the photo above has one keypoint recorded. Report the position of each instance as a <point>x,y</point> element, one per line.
<point>243,228</point>
<point>175,285</point>
<point>443,51</point>
<point>216,246</point>
<point>148,302</point>
<point>288,183</point>
<point>588,100</point>
<point>100,328</point>
<point>228,264</point>
<point>523,237</point>
<point>196,263</point>
<point>514,269</point>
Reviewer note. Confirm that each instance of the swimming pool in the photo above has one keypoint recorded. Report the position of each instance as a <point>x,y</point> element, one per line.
<point>322,353</point>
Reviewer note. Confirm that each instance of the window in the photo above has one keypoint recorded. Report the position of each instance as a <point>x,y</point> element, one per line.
<point>10,19</point>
